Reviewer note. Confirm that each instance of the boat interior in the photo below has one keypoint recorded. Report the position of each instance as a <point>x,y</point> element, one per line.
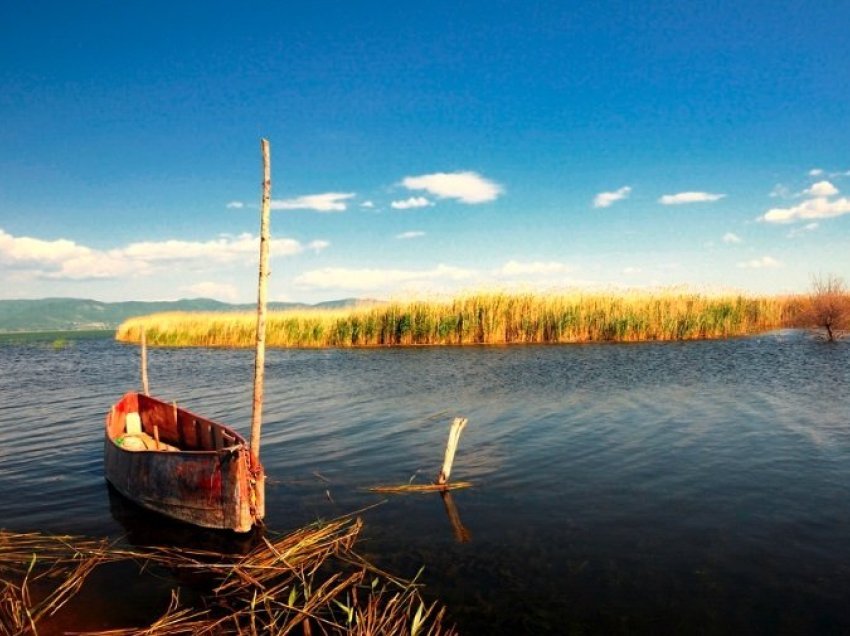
<point>142,423</point>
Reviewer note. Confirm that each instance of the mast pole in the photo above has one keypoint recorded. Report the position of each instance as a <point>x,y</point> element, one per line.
<point>144,363</point>
<point>260,359</point>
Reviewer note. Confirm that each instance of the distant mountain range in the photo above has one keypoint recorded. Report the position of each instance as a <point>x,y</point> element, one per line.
<point>63,314</point>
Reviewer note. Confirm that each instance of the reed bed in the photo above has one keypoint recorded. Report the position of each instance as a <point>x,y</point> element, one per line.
<point>310,582</point>
<point>474,319</point>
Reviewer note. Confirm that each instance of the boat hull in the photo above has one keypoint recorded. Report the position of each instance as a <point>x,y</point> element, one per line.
<point>212,481</point>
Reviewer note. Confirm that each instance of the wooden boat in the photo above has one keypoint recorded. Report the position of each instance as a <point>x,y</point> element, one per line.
<point>172,461</point>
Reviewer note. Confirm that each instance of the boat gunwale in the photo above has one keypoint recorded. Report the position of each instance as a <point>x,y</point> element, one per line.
<point>241,444</point>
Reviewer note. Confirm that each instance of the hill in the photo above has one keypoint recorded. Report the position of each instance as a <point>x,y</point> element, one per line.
<point>61,314</point>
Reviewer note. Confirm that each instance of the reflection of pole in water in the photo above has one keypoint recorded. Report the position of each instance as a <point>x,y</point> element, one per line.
<point>462,535</point>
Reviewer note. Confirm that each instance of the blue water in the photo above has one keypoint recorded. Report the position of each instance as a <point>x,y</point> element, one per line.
<point>648,488</point>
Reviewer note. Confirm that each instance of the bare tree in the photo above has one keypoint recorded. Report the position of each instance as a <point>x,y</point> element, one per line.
<point>829,304</point>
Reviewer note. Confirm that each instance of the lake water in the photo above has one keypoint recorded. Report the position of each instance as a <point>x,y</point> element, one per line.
<point>648,488</point>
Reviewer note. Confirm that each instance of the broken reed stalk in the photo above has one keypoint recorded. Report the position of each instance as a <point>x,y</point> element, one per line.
<point>442,481</point>
<point>308,580</point>
<point>144,363</point>
<point>456,429</point>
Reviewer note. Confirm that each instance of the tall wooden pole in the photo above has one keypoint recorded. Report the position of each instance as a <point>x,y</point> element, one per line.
<point>144,364</point>
<point>260,359</point>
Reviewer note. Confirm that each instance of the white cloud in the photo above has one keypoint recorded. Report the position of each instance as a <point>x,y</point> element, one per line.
<point>632,270</point>
<point>64,259</point>
<point>605,199</point>
<point>326,202</point>
<point>689,197</point>
<point>412,202</point>
<point>765,262</point>
<point>367,204</point>
<point>815,172</point>
<point>821,189</point>
<point>58,258</point>
<point>817,208</point>
<point>224,249</point>
<point>731,237</point>
<point>23,249</point>
<point>466,187</point>
<point>236,205</point>
<point>377,279</point>
<point>516,268</point>
<point>209,289</point>
<point>410,235</point>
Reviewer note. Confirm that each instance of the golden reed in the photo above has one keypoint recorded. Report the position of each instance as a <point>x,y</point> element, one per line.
<point>485,318</point>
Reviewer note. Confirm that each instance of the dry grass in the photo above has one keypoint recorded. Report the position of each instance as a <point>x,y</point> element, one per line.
<point>310,581</point>
<point>492,318</point>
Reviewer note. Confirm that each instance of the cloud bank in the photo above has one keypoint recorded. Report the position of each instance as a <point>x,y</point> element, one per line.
<point>64,259</point>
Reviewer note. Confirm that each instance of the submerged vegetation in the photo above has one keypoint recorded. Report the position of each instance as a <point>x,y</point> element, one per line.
<point>309,581</point>
<point>495,318</point>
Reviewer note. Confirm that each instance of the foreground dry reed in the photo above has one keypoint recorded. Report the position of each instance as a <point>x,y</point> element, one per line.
<point>479,319</point>
<point>307,582</point>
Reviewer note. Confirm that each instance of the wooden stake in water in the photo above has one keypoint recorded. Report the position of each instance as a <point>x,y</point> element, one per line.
<point>442,483</point>
<point>456,429</point>
<point>260,359</point>
<point>144,364</point>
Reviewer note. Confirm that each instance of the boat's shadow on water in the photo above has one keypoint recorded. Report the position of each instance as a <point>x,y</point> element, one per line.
<point>145,528</point>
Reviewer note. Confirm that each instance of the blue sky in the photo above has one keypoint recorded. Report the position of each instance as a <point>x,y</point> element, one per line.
<point>422,149</point>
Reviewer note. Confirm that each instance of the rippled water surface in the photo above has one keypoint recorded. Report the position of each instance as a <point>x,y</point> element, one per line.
<point>651,488</point>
